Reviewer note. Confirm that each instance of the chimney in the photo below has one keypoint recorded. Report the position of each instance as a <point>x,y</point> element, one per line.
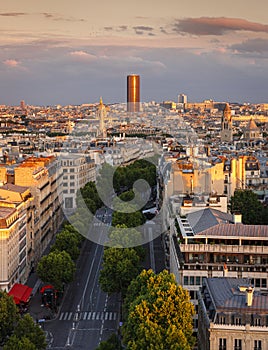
<point>237,218</point>
<point>249,296</point>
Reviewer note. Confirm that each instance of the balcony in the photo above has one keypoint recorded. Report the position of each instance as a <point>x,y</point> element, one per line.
<point>222,248</point>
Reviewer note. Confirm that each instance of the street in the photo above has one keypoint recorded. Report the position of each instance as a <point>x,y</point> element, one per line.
<point>87,315</point>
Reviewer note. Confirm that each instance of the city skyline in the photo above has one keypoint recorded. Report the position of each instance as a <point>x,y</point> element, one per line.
<point>66,53</point>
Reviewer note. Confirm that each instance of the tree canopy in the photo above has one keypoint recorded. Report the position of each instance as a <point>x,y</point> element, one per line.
<point>120,266</point>
<point>69,242</point>
<point>8,315</point>
<point>246,202</point>
<point>27,334</point>
<point>56,268</point>
<point>158,313</point>
<point>112,343</point>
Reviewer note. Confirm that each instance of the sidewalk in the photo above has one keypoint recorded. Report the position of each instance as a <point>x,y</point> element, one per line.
<point>36,310</point>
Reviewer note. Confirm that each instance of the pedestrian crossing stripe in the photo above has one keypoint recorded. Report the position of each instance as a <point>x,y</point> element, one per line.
<point>88,316</point>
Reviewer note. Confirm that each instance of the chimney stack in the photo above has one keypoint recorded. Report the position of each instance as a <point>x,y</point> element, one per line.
<point>237,218</point>
<point>249,296</point>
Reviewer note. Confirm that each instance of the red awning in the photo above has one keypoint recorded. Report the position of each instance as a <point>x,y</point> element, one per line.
<point>20,293</point>
<point>44,288</point>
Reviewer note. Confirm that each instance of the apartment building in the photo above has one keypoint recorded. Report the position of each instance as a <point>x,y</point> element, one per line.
<point>78,169</point>
<point>210,243</point>
<point>232,315</point>
<point>16,234</point>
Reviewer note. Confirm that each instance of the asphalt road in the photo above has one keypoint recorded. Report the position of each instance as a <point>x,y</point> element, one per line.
<point>87,315</point>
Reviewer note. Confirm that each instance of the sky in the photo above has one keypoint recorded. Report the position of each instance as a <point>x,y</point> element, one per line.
<point>72,52</point>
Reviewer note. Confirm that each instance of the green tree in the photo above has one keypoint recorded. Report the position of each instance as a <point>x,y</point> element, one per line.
<point>111,343</point>
<point>120,266</point>
<point>131,218</point>
<point>159,314</point>
<point>26,328</point>
<point>56,268</point>
<point>246,202</point>
<point>8,315</point>
<point>15,343</point>
<point>69,242</point>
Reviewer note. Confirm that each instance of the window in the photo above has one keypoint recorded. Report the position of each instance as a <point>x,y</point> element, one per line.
<point>257,321</point>
<point>222,344</point>
<point>237,321</point>
<point>72,190</point>
<point>238,344</point>
<point>186,280</point>
<point>72,170</point>
<point>65,184</point>
<point>72,177</point>
<point>198,280</point>
<point>69,203</point>
<point>222,320</point>
<point>191,280</point>
<point>65,191</point>
<point>257,345</point>
<point>72,184</point>
<point>264,283</point>
<point>65,170</point>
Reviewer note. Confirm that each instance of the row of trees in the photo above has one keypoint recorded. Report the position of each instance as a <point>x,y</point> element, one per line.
<point>58,267</point>
<point>157,312</point>
<point>16,332</point>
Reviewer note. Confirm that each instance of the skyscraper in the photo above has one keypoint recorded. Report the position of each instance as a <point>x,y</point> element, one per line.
<point>182,98</point>
<point>133,93</point>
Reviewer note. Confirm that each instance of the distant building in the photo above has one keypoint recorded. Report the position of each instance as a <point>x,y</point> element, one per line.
<point>226,125</point>
<point>182,98</point>
<point>22,105</point>
<point>133,93</point>
<point>232,315</point>
<point>252,132</point>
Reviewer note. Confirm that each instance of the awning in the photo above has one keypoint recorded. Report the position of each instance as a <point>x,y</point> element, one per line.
<point>20,293</point>
<point>44,288</point>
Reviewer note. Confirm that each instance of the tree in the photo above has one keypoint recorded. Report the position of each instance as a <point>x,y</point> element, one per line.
<point>246,202</point>
<point>67,241</point>
<point>159,314</point>
<point>15,343</point>
<point>111,343</point>
<point>56,268</point>
<point>8,315</point>
<point>131,218</point>
<point>25,330</point>
<point>120,266</point>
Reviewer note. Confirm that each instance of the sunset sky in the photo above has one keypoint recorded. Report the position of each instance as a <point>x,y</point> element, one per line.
<point>73,52</point>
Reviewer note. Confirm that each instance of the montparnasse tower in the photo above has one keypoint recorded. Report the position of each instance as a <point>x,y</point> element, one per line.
<point>227,125</point>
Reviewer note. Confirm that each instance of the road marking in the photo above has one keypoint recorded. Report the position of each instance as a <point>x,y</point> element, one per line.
<point>98,316</point>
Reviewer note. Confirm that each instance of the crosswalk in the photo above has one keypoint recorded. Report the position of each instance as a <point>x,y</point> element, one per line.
<point>88,316</point>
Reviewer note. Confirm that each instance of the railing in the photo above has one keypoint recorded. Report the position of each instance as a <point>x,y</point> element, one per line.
<point>222,248</point>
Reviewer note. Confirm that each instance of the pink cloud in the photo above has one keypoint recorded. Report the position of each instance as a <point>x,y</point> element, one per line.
<point>82,55</point>
<point>217,25</point>
<point>11,63</point>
